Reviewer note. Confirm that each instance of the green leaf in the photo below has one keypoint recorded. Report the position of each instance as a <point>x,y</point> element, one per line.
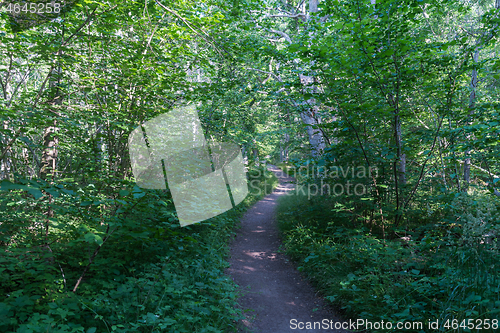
<point>90,238</point>
<point>293,47</point>
<point>7,185</point>
<point>52,191</point>
<point>138,195</point>
<point>92,330</point>
<point>123,193</point>
<point>36,193</point>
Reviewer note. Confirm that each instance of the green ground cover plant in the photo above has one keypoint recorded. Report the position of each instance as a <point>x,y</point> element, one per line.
<point>147,275</point>
<point>444,270</point>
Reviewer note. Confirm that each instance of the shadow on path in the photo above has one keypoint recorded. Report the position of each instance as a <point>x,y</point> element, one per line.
<point>270,285</point>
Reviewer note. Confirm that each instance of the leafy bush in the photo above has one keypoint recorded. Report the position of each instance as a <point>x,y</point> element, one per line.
<point>442,271</point>
<point>128,268</point>
<point>478,217</point>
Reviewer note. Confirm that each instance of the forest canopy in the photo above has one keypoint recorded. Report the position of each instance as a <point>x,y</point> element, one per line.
<point>385,111</point>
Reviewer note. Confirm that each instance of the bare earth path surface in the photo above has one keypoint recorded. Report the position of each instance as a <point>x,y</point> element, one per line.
<point>270,285</point>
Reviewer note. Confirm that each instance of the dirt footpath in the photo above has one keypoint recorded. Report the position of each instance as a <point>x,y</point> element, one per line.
<point>279,296</point>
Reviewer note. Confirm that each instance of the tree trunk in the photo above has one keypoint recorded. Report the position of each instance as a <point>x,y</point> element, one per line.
<point>255,152</point>
<point>400,156</point>
<point>472,101</point>
<point>50,140</point>
<point>6,161</point>
<point>310,117</point>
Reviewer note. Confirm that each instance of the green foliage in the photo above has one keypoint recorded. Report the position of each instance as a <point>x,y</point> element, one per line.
<point>86,250</point>
<point>145,273</point>
<point>477,216</point>
<point>433,272</point>
<point>261,181</point>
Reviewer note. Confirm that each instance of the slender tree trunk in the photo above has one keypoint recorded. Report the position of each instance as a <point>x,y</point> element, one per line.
<point>284,146</point>
<point>49,157</point>
<point>310,116</point>
<point>401,157</point>
<point>50,142</point>
<point>312,119</point>
<point>472,102</point>
<point>6,162</point>
<point>255,152</point>
<point>457,173</point>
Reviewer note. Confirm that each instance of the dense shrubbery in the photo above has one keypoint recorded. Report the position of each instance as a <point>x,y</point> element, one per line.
<point>150,275</point>
<point>441,268</point>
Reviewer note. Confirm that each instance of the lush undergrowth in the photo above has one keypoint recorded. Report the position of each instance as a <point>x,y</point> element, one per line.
<point>446,270</point>
<point>148,275</point>
<point>287,168</point>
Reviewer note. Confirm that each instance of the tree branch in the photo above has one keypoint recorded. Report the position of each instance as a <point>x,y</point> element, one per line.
<point>281,33</point>
<point>207,37</point>
<point>265,72</point>
<point>424,164</point>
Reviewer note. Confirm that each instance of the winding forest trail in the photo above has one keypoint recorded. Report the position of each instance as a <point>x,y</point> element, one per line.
<point>269,283</point>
